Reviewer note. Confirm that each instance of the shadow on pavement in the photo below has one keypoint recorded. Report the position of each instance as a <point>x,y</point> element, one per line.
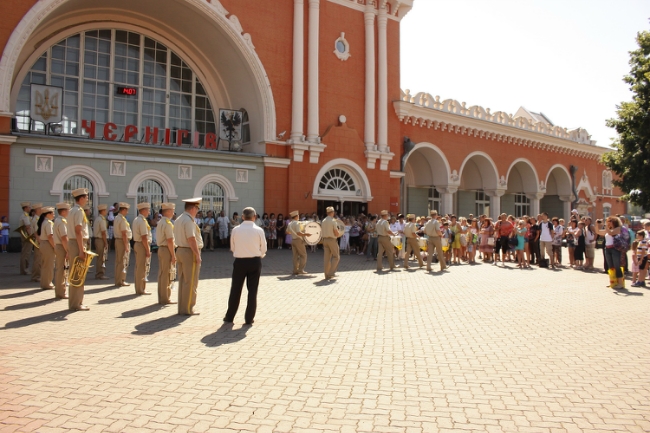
<point>34,304</point>
<point>21,294</point>
<point>101,289</point>
<point>159,325</point>
<point>225,335</point>
<point>625,292</point>
<point>117,299</point>
<point>57,316</point>
<point>325,282</point>
<point>141,311</point>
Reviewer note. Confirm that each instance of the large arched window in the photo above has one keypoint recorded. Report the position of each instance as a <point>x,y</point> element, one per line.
<point>121,77</point>
<point>75,182</point>
<point>337,180</point>
<point>213,198</point>
<point>151,192</point>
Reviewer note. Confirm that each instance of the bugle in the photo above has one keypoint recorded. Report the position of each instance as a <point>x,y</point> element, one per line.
<point>27,237</point>
<point>80,269</point>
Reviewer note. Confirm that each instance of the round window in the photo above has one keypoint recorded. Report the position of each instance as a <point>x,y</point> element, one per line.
<point>340,46</point>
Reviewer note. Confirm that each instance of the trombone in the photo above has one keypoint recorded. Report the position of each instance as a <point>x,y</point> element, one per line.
<point>26,237</point>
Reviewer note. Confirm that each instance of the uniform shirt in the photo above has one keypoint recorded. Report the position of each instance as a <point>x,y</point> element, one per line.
<point>141,228</point>
<point>410,229</point>
<point>432,228</point>
<point>25,221</point>
<point>383,227</point>
<point>327,228</point>
<point>185,228</point>
<point>100,227</point>
<point>294,228</point>
<point>34,224</point>
<point>247,241</point>
<point>77,217</point>
<point>60,230</point>
<point>47,228</point>
<point>164,231</point>
<point>121,225</point>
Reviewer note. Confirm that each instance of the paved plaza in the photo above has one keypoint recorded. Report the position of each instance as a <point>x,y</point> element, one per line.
<point>478,348</point>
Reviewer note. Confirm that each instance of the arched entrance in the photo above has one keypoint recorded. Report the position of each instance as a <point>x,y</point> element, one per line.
<point>479,191</point>
<point>342,184</point>
<point>521,194</point>
<point>243,83</point>
<point>558,196</point>
<point>426,181</point>
<point>75,182</point>
<point>151,192</point>
<point>214,198</point>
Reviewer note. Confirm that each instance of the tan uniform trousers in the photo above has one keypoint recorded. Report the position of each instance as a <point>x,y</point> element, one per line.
<point>188,280</point>
<point>140,268</point>
<point>412,245</point>
<point>332,256</point>
<point>24,256</point>
<point>100,266</point>
<point>299,255</point>
<point>164,283</point>
<point>47,266</point>
<point>59,272</point>
<point>387,246</point>
<point>76,294</point>
<point>36,267</point>
<point>435,244</point>
<point>120,269</point>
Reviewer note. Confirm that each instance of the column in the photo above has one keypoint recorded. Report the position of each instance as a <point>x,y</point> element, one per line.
<point>369,132</point>
<point>534,203</point>
<point>297,103</point>
<point>312,65</point>
<point>566,206</point>
<point>495,202</point>
<point>382,90</point>
<point>447,199</point>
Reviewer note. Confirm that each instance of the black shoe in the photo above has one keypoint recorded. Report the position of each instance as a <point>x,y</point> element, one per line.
<point>225,320</point>
<point>249,323</point>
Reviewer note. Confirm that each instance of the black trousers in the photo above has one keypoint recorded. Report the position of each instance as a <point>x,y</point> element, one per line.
<point>250,270</point>
<point>534,251</point>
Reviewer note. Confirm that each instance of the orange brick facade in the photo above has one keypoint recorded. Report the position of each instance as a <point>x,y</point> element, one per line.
<point>288,182</point>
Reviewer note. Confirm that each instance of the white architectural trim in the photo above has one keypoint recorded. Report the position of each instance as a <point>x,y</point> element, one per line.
<point>528,163</point>
<point>221,180</point>
<point>270,161</point>
<point>214,10</point>
<point>357,174</point>
<point>450,115</point>
<point>7,139</point>
<point>397,174</point>
<point>399,8</point>
<point>297,94</point>
<point>382,80</point>
<point>342,56</point>
<point>494,167</point>
<point>564,170</point>
<point>313,72</point>
<point>99,186</point>
<point>369,127</point>
<point>436,149</point>
<point>168,186</point>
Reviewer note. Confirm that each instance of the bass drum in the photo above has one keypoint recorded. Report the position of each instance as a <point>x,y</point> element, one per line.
<point>314,229</point>
<point>340,227</point>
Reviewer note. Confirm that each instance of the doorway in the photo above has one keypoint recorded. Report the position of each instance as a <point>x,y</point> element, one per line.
<point>353,208</point>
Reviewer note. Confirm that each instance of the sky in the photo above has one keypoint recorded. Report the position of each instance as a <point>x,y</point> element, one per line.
<point>565,58</point>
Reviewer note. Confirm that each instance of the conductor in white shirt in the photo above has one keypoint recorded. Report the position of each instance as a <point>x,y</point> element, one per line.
<point>248,246</point>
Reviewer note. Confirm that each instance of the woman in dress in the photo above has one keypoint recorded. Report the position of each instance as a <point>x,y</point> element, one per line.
<point>281,230</point>
<point>472,241</point>
<point>287,237</point>
<point>345,239</point>
<point>579,251</point>
<point>266,223</point>
<point>463,238</point>
<point>487,246</point>
<point>371,229</point>
<point>521,240</point>
<point>454,227</point>
<point>571,238</point>
<point>273,231</point>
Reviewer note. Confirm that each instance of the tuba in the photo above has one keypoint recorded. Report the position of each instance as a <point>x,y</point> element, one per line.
<point>79,269</point>
<point>31,238</point>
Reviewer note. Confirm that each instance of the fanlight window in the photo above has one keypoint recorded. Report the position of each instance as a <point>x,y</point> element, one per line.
<point>337,180</point>
<point>213,198</point>
<point>151,192</point>
<point>76,182</point>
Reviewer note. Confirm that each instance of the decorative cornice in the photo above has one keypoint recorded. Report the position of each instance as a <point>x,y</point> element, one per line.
<point>452,116</point>
<point>397,9</point>
<point>270,161</point>
<point>8,139</point>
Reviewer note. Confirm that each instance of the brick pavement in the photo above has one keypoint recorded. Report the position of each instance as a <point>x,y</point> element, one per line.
<point>475,349</point>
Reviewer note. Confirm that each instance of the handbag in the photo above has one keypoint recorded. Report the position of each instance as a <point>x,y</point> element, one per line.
<point>600,243</point>
<point>490,242</point>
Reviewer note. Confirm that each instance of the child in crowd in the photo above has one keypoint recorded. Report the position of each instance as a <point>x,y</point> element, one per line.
<point>4,234</point>
<point>639,259</point>
<point>558,235</point>
<point>521,236</point>
<point>472,241</point>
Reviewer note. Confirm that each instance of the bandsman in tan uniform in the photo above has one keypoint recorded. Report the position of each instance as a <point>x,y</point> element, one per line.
<point>330,233</point>
<point>77,237</point>
<point>298,244</point>
<point>432,230</point>
<point>36,266</point>
<point>122,234</point>
<point>46,237</point>
<point>188,238</point>
<point>27,246</point>
<point>61,250</point>
<point>88,212</point>
<point>142,247</point>
<point>384,232</point>
<point>166,253</point>
<point>100,233</point>
<point>410,232</point>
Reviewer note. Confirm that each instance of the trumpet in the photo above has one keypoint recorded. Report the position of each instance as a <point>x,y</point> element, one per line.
<point>105,256</point>
<point>80,269</point>
<point>147,268</point>
<point>172,276</point>
<point>31,238</point>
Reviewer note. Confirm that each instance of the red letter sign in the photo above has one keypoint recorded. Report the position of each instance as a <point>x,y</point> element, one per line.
<point>180,135</point>
<point>108,131</point>
<point>129,132</point>
<point>90,129</point>
<point>210,140</point>
<point>148,136</point>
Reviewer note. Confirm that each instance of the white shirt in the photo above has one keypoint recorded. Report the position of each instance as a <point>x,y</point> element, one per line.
<point>247,240</point>
<point>545,235</point>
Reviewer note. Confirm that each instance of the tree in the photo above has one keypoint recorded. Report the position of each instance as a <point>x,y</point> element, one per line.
<point>630,159</point>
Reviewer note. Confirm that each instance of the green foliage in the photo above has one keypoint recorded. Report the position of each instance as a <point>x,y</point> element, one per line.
<point>630,159</point>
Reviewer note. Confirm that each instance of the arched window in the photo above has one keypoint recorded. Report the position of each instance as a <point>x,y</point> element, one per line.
<point>213,198</point>
<point>75,182</point>
<point>337,180</point>
<point>607,182</point>
<point>151,192</point>
<point>607,210</point>
<point>522,205</point>
<point>122,77</point>
<point>482,203</point>
<point>434,200</point>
